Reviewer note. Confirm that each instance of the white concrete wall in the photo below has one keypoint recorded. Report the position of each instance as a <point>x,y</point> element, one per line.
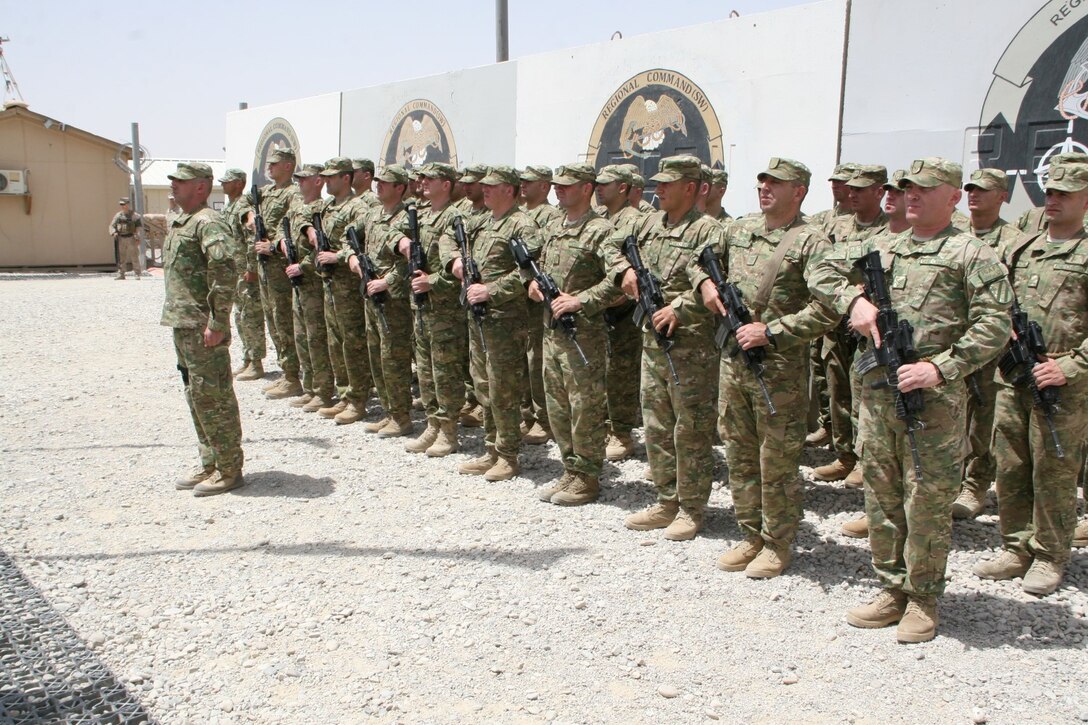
<point>316,120</point>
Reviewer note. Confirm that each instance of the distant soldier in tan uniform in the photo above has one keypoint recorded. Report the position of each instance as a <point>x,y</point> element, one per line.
<point>123,230</point>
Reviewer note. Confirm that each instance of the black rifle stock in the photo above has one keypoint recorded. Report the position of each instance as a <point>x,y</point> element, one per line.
<point>260,230</point>
<point>1018,362</point>
<point>417,261</point>
<point>366,266</point>
<point>470,275</point>
<point>549,290</point>
<point>650,300</point>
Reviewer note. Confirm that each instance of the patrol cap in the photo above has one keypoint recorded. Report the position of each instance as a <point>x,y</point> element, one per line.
<point>675,168</point>
<point>191,170</point>
<point>536,173</point>
<point>362,165</point>
<point>576,173</point>
<point>933,171</point>
<point>438,170</point>
<point>787,170</point>
<point>473,173</point>
<point>123,200</point>
<point>988,180</point>
<point>393,174</point>
<point>893,183</point>
<point>843,172</point>
<point>501,174</point>
<point>719,177</point>
<point>413,174</point>
<point>866,176</point>
<point>282,154</point>
<point>614,172</point>
<point>1067,177</point>
<point>705,172</point>
<point>232,175</point>
<point>637,180</point>
<point>1072,157</point>
<point>308,170</point>
<point>337,165</point>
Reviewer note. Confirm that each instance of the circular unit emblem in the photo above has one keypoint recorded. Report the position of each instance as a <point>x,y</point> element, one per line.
<point>418,134</point>
<point>277,134</point>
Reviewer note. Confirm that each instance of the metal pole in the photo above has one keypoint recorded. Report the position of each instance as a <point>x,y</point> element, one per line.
<point>502,31</point>
<point>138,189</point>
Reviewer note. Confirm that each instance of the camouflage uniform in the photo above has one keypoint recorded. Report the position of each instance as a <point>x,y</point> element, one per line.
<point>199,279</point>
<point>276,294</point>
<point>123,229</point>
<point>534,408</point>
<point>248,314</point>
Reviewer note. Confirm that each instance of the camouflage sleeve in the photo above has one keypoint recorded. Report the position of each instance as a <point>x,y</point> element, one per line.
<point>510,287</point>
<point>398,272</point>
<point>695,271</point>
<point>358,221</point>
<point>215,240</point>
<point>688,305</point>
<point>836,277</point>
<point>815,318</point>
<point>605,293</point>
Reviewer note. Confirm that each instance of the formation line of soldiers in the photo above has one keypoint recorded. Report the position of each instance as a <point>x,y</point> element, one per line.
<point>557,320</point>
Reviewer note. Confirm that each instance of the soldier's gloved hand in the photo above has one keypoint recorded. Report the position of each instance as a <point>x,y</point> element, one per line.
<point>863,319</point>
<point>1048,374</point>
<point>534,292</point>
<point>754,334</point>
<point>629,284</point>
<point>919,375</point>
<point>294,270</point>
<point>665,321</point>
<point>711,300</point>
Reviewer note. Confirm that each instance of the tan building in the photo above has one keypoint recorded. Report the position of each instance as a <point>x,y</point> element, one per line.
<point>71,189</point>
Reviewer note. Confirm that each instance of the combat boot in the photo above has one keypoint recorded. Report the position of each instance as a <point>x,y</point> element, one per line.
<point>220,484</point>
<point>657,516</point>
<point>885,610</point>
<point>271,386</point>
<point>537,435</point>
<point>740,555</point>
<point>240,369</point>
<point>618,446</point>
<point>856,529</point>
<point>968,504</point>
<point>582,489</point>
<point>1043,577</point>
<point>648,473</point>
<point>686,525</point>
<point>445,442</point>
<point>333,410</point>
<point>301,401</point>
<point>289,387</point>
<point>854,479</point>
<point>1080,535</point>
<point>120,275</point>
<point>398,426</point>
<point>545,494</point>
<point>377,425</point>
<point>818,438</point>
<point>471,416</point>
<point>316,403</point>
<point>478,466</point>
<point>350,414</point>
<point>769,563</point>
<point>504,469</point>
<point>919,622</point>
<point>837,470</point>
<point>1006,565</point>
<point>425,440</point>
<point>197,475</point>
<point>255,371</point>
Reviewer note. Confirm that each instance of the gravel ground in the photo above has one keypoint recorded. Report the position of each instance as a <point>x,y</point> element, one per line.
<point>350,581</point>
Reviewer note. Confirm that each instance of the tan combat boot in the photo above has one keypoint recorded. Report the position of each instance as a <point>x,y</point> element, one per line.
<point>1080,535</point>
<point>219,484</point>
<point>301,401</point>
<point>504,469</point>
<point>377,425</point>
<point>968,504</point>
<point>618,446</point>
<point>837,470</point>
<point>255,371</point>
<point>537,435</point>
<point>769,563</point>
<point>333,410</point>
<point>919,622</point>
<point>471,416</point>
<point>240,369</point>
<point>350,414</point>
<point>271,386</point>
<point>197,475</point>
<point>686,525</point>
<point>445,442</point>
<point>545,494</point>
<point>657,516</point>
<point>1043,577</point>
<point>288,387</point>
<point>316,403</point>
<point>856,529</point>
<point>740,555</point>
<point>1006,565</point>
<point>854,479</point>
<point>582,489</point>
<point>425,440</point>
<point>818,438</point>
<point>648,473</point>
<point>478,466</point>
<point>398,426</point>
<point>885,610</point>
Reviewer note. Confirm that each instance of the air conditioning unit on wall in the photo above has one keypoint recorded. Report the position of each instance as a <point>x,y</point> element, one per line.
<point>13,181</point>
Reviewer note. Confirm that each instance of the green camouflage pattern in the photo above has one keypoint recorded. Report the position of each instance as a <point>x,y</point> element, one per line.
<point>276,295</point>
<point>390,350</point>
<point>248,313</point>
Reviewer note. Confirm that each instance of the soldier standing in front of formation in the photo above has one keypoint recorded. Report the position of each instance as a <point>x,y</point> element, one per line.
<point>1037,490</point>
<point>771,260</point>
<point>679,418</point>
<point>248,314</point>
<point>953,290</point>
<point>123,230</point>
<point>574,256</point>
<point>199,279</point>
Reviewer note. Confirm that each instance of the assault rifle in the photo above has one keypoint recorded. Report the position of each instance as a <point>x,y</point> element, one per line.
<point>896,349</point>
<point>470,275</point>
<point>550,291</point>
<point>322,242</point>
<point>1017,363</point>
<point>366,266</point>
<point>261,232</point>
<point>290,249</point>
<point>736,316</point>
<point>650,300</point>
<point>417,261</point>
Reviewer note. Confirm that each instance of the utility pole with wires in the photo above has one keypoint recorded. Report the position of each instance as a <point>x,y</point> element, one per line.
<point>11,88</point>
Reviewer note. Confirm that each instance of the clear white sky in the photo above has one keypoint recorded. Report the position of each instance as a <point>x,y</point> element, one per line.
<point>178,68</point>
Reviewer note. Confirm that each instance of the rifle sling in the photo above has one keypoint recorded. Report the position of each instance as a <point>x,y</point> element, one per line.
<point>770,272</point>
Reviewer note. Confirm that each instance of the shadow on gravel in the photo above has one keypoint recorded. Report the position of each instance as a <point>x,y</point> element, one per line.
<point>281,483</point>
<point>310,440</point>
<point>529,559</point>
<point>971,619</point>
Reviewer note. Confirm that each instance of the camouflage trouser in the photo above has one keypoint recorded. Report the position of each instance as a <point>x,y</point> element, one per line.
<point>499,378</point>
<point>128,250</point>
<point>311,338</point>
<point>1036,490</point>
<point>209,391</point>
<point>391,355</point>
<point>837,353</point>
<point>249,320</point>
<point>763,451</point>
<point>818,404</point>
<point>910,523</point>
<point>441,354</point>
<point>622,374</point>
<point>279,313</point>
<point>534,409</point>
<point>680,420</point>
<point>978,470</point>
<point>346,325</point>
<point>576,395</point>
